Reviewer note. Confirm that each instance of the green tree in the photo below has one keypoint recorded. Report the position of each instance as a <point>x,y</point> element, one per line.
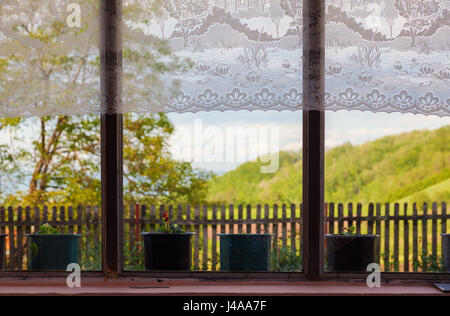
<point>151,174</point>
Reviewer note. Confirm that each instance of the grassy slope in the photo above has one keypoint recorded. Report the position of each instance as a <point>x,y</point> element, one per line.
<point>436,193</point>
<point>412,166</point>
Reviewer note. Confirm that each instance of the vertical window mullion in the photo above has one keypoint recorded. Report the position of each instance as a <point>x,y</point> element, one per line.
<point>111,136</point>
<point>313,136</point>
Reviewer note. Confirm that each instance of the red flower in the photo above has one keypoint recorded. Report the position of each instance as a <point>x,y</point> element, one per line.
<point>166,216</point>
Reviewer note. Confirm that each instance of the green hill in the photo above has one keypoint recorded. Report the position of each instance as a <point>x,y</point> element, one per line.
<point>409,167</point>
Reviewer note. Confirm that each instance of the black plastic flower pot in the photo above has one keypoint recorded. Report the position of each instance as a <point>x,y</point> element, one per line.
<point>351,253</point>
<point>2,252</point>
<point>52,252</point>
<point>446,250</point>
<point>245,252</point>
<point>164,251</point>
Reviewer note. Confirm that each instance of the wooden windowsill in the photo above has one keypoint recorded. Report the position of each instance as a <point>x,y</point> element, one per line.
<point>157,287</point>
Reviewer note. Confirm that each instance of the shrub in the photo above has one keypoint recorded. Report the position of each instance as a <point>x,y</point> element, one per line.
<point>284,260</point>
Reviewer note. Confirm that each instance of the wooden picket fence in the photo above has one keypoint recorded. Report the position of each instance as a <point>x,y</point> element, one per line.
<point>401,227</point>
<point>409,234</point>
<point>283,221</point>
<point>18,222</point>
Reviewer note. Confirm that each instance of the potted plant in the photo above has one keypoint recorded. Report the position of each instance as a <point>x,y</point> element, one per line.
<point>245,252</point>
<point>2,252</point>
<point>446,250</point>
<point>48,250</point>
<point>167,249</point>
<point>351,252</point>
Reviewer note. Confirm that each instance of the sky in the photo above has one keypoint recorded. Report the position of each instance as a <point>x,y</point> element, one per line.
<point>278,131</point>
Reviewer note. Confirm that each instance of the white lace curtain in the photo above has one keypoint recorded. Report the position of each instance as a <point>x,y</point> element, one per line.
<point>49,57</point>
<point>388,56</point>
<point>206,55</point>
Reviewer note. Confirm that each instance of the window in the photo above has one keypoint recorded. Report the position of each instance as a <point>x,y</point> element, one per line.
<point>200,59</point>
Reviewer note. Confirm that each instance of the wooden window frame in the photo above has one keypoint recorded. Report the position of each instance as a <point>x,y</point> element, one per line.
<point>313,163</point>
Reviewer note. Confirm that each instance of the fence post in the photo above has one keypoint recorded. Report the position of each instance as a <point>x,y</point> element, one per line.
<point>415,237</point>
<point>205,237</point>
<point>19,238</point>
<point>340,218</point>
<point>137,221</point>
<point>223,217</point>
<point>378,222</point>
<point>443,223</point>
<point>370,219</point>
<point>197,237</point>
<point>283,225</point>
<point>425,231</point>
<point>331,219</point>
<point>350,214</point>
<point>266,219</point>
<point>12,249</point>
<point>396,237</point>
<point>405,238</point>
<point>293,230</point>
<point>434,230</point>
<point>387,227</point>
<point>240,217</point>
<point>358,218</point>
<point>214,238</point>
<point>258,219</point>
<point>275,227</point>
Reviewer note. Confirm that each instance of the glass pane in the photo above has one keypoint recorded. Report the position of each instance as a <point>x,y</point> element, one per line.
<point>50,174</point>
<point>233,173</point>
<point>387,175</point>
<point>218,57</point>
<point>50,159</point>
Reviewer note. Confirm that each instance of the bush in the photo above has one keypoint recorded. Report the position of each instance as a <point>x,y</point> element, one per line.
<point>284,260</point>
<point>430,263</point>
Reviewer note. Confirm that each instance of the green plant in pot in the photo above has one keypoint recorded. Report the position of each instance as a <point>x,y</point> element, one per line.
<point>49,250</point>
<point>351,252</point>
<point>245,252</point>
<point>167,249</point>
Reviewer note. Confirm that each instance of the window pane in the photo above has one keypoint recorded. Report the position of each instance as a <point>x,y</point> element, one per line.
<point>380,165</point>
<point>217,57</point>
<point>215,173</point>
<point>50,174</point>
<point>49,161</point>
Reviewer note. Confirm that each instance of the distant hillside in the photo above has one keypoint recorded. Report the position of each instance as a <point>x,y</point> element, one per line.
<point>407,167</point>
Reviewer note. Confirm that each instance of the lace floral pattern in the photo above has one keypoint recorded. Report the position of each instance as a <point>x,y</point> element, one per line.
<point>218,55</point>
<point>381,56</point>
<point>49,58</point>
<point>243,55</point>
<point>388,56</point>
